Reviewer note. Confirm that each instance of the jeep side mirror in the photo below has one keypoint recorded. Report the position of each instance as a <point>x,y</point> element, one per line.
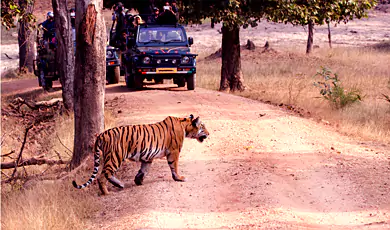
<point>190,41</point>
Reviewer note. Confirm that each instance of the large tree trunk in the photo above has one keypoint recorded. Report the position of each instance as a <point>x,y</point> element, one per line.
<point>23,37</point>
<point>89,81</point>
<point>65,52</point>
<point>309,47</point>
<point>231,74</point>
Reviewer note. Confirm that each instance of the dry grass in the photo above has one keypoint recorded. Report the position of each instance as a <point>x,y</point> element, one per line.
<point>287,77</point>
<point>13,74</point>
<point>65,132</point>
<point>46,205</point>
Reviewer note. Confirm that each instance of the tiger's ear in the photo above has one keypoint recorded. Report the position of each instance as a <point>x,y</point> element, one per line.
<point>191,117</point>
<point>196,122</point>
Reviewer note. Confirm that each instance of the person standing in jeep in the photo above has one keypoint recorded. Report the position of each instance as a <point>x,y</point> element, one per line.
<point>153,18</point>
<point>72,12</point>
<point>120,21</point>
<point>48,25</point>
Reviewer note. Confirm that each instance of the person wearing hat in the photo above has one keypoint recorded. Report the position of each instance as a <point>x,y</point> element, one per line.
<point>153,18</point>
<point>48,25</point>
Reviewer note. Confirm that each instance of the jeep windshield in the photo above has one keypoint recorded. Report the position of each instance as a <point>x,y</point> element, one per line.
<point>161,35</point>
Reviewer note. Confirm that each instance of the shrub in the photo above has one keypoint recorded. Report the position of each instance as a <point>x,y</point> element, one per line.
<point>332,90</point>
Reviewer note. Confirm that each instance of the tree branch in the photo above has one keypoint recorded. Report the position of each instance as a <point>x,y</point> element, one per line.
<point>7,154</point>
<point>21,150</point>
<point>32,161</point>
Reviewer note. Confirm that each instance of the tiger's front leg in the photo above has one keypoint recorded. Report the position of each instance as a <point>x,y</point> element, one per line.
<point>173,162</point>
<point>139,178</point>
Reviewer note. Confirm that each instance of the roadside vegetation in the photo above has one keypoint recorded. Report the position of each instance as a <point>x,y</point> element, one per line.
<point>287,77</point>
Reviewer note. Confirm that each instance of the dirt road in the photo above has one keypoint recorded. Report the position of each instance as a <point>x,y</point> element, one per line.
<point>261,168</point>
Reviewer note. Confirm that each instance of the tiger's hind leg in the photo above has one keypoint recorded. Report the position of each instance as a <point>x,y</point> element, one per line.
<point>108,175</point>
<point>102,181</point>
<point>139,178</point>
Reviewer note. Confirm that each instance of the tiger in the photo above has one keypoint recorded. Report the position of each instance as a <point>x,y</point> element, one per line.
<point>143,143</point>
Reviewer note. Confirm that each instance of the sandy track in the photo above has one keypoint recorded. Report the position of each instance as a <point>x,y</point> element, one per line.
<point>253,172</point>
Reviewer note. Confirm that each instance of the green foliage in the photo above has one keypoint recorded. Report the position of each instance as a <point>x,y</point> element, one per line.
<point>12,12</point>
<point>299,12</point>
<point>248,12</point>
<point>332,90</point>
<point>233,13</point>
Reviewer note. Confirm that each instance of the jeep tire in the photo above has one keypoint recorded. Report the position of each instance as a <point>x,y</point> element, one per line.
<point>134,81</point>
<point>181,82</point>
<point>113,75</point>
<point>191,80</point>
<point>158,80</point>
<point>129,81</point>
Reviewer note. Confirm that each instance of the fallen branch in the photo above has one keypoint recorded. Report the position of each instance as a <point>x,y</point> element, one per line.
<point>36,105</point>
<point>21,150</point>
<point>7,154</point>
<point>32,161</point>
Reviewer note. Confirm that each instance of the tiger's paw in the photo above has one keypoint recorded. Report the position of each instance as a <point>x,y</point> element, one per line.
<point>139,179</point>
<point>179,178</point>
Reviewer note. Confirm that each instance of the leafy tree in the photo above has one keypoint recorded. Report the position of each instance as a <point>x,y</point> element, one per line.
<point>319,12</point>
<point>232,14</point>
<point>11,12</point>
<point>22,13</point>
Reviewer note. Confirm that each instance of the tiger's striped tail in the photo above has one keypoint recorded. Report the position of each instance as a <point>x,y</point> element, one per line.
<point>95,169</point>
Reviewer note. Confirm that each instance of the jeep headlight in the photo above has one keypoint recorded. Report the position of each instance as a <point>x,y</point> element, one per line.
<point>146,60</point>
<point>109,54</point>
<point>185,60</point>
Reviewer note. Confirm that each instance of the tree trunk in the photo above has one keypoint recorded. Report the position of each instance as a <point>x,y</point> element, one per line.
<point>23,37</point>
<point>89,81</point>
<point>231,74</point>
<point>310,38</point>
<point>329,36</point>
<point>31,54</point>
<point>65,52</point>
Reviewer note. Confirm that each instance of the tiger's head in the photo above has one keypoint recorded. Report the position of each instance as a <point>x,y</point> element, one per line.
<point>196,129</point>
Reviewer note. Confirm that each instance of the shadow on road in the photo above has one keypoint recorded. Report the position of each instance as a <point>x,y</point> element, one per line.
<point>121,88</point>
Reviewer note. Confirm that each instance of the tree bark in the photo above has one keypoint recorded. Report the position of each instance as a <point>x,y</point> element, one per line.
<point>310,37</point>
<point>31,53</point>
<point>89,81</point>
<point>231,73</point>
<point>23,38</point>
<point>65,50</point>
<point>329,36</point>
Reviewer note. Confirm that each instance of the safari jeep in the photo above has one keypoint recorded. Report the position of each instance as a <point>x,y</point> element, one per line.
<point>112,65</point>
<point>159,52</point>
